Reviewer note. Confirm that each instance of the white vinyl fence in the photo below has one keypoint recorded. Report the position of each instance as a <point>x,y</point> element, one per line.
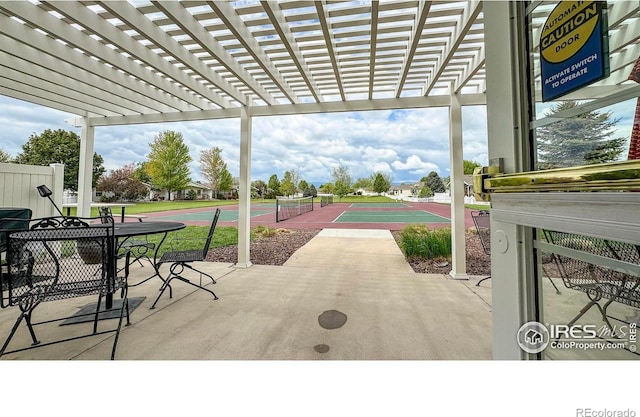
<point>18,187</point>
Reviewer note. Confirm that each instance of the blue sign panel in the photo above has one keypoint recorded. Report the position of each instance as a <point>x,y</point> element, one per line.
<point>574,49</point>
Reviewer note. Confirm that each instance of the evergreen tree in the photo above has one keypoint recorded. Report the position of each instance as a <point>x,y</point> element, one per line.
<point>434,182</point>
<point>168,164</point>
<point>380,184</point>
<point>580,140</point>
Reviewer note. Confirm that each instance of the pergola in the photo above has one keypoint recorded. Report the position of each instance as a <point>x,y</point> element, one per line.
<point>117,63</point>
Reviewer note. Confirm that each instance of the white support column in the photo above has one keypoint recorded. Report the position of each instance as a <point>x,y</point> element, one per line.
<point>244,209</point>
<point>507,134</point>
<point>458,255</point>
<point>85,171</point>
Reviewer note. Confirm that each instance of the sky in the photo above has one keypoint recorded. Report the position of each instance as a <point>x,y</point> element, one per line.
<point>406,144</point>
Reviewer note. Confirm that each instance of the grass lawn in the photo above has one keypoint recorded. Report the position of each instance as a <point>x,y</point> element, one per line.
<point>193,237</point>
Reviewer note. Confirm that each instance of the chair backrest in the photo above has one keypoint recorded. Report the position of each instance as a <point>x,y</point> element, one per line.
<point>106,215</point>
<point>59,258</point>
<point>212,230</point>
<point>483,226</point>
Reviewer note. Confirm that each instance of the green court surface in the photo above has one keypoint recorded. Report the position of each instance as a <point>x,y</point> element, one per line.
<point>225,215</point>
<point>377,205</point>
<point>364,216</point>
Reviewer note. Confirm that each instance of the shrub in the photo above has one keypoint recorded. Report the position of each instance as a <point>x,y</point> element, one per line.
<point>419,240</point>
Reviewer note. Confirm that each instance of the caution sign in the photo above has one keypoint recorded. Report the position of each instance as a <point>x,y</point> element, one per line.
<point>574,47</point>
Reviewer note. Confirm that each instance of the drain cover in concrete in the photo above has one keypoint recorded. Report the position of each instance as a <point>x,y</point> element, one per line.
<point>321,348</point>
<point>332,319</point>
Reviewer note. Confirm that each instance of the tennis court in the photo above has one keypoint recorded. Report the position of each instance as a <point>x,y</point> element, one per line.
<point>408,216</point>
<point>378,205</point>
<point>225,215</point>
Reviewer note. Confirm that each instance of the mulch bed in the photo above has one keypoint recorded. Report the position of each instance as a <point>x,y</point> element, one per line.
<point>277,249</point>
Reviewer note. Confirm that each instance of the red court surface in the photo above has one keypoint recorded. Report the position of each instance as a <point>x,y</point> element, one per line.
<point>319,218</point>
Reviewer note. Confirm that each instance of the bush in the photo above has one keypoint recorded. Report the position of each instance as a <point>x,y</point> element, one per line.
<point>419,240</point>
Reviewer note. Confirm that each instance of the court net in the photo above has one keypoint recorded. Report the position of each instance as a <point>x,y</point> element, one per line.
<point>325,199</point>
<point>287,208</point>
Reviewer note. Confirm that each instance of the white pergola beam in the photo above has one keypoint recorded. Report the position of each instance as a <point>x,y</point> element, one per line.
<point>293,109</point>
<point>281,26</point>
<point>117,37</point>
<point>52,25</point>
<point>374,46</point>
<point>128,14</point>
<point>323,17</point>
<point>469,16</point>
<point>416,35</point>
<point>61,58</point>
<point>190,25</point>
<point>228,15</point>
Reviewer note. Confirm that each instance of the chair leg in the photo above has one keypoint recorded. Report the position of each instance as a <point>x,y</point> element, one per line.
<point>164,286</point>
<point>200,272</point>
<point>483,279</point>
<point>124,307</point>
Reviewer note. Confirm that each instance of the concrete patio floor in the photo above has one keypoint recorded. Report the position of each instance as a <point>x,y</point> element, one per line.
<point>272,312</point>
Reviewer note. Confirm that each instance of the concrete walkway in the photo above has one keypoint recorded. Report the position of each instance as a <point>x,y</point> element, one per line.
<point>345,295</point>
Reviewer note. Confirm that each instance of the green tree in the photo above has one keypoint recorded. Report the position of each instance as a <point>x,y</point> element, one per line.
<point>122,183</point>
<point>287,186</point>
<point>168,162</point>
<point>4,157</point>
<point>380,184</point>
<point>140,173</point>
<point>311,191</point>
<point>258,189</point>
<point>327,188</point>
<point>303,185</point>
<point>341,173</point>
<point>274,186</point>
<point>364,183</point>
<point>434,182</point>
<point>226,181</point>
<point>425,192</point>
<point>469,166</point>
<point>580,140</point>
<point>341,189</point>
<point>62,147</point>
<point>215,171</point>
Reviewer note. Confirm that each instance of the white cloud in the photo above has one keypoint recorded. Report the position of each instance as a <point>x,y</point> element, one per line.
<point>415,165</point>
<point>406,144</point>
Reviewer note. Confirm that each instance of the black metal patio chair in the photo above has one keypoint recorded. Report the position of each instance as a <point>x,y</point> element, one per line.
<point>180,260</point>
<point>139,249</point>
<point>60,258</point>
<point>616,277</point>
